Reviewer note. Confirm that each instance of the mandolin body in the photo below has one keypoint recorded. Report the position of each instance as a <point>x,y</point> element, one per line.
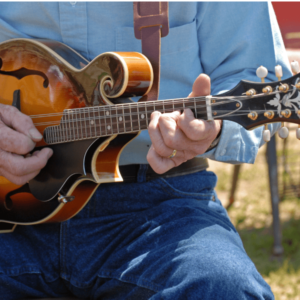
<point>43,79</point>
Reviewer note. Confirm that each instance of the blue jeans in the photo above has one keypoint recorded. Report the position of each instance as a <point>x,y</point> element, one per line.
<point>168,238</point>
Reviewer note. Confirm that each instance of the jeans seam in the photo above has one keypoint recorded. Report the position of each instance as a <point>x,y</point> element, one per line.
<point>136,280</point>
<point>63,249</point>
<point>178,193</point>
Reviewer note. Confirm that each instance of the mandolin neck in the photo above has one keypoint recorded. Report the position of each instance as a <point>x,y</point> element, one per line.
<point>101,121</point>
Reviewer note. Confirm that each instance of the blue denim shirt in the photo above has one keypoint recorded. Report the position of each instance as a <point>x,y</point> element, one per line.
<point>227,41</point>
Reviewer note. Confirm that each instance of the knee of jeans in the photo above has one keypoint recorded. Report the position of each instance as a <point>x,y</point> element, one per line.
<point>218,277</point>
<point>232,278</point>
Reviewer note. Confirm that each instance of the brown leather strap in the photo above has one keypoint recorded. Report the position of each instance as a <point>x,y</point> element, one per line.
<point>150,24</point>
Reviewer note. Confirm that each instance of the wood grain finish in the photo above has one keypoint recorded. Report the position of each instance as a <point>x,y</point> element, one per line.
<point>71,82</point>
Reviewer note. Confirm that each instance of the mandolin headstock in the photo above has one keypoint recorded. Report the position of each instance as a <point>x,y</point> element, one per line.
<point>252,104</point>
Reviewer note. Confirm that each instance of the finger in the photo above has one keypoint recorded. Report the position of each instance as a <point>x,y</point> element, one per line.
<point>197,130</point>
<point>158,163</point>
<point>20,122</point>
<point>169,136</point>
<point>156,136</point>
<point>13,141</point>
<point>201,86</point>
<point>19,166</point>
<point>19,180</point>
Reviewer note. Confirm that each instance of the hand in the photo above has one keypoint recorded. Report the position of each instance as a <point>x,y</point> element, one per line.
<point>17,138</point>
<point>189,136</point>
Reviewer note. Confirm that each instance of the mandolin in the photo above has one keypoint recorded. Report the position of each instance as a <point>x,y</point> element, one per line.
<point>84,112</point>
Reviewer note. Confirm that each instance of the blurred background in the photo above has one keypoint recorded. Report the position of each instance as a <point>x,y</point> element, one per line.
<point>251,202</point>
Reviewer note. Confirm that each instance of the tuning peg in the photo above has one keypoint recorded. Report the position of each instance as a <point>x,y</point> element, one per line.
<point>262,73</point>
<point>295,67</point>
<point>298,132</point>
<point>278,72</point>
<point>283,131</point>
<point>266,134</point>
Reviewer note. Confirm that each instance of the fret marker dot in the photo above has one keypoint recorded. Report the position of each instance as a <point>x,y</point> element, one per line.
<point>142,116</point>
<point>92,122</point>
<point>108,127</point>
<point>120,118</point>
<point>107,113</point>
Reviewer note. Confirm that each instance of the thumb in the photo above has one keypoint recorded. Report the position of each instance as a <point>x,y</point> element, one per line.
<point>201,86</point>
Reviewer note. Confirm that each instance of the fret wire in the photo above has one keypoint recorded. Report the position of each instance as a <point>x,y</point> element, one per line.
<point>99,121</point>
<point>105,122</point>
<point>120,117</point>
<point>138,113</point>
<point>85,127</point>
<point>80,119</point>
<point>111,125</point>
<point>69,121</point>
<point>123,118</point>
<point>50,138</point>
<point>147,123</point>
<point>89,122</point>
<point>94,120</point>
<point>62,126</point>
<point>117,118</point>
<point>130,118</point>
<point>55,133</point>
<point>195,109</point>
<point>72,125</point>
<point>69,125</point>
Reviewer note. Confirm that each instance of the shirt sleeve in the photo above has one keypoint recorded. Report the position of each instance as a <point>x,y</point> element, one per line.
<point>235,39</point>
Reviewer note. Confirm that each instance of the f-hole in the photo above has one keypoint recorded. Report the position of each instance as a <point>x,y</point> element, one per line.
<point>23,72</point>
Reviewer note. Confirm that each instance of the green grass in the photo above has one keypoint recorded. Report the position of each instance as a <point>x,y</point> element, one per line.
<point>251,214</point>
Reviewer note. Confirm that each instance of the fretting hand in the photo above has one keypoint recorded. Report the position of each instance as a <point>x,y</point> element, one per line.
<point>17,138</point>
<point>180,132</point>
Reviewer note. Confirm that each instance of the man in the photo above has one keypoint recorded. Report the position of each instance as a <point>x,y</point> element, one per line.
<point>166,238</point>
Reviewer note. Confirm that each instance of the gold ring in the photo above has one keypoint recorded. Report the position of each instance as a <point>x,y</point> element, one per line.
<point>173,154</point>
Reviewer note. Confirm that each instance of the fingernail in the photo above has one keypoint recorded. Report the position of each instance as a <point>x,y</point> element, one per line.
<point>35,134</point>
<point>49,154</point>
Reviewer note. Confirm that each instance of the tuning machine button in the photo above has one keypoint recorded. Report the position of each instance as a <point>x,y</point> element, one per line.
<point>295,67</point>
<point>278,72</point>
<point>262,73</point>
<point>266,134</point>
<point>283,131</point>
<point>298,132</point>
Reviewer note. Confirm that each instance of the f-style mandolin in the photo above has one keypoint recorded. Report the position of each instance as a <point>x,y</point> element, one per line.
<point>84,112</point>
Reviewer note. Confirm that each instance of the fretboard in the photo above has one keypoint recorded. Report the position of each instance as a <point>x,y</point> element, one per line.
<point>100,121</point>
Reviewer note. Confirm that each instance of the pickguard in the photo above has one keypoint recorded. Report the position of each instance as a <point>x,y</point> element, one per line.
<point>68,162</point>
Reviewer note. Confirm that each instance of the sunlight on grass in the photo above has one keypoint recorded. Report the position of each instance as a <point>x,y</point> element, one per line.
<point>251,214</point>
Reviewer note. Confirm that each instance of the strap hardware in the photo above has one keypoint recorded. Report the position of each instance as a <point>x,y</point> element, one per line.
<point>144,21</point>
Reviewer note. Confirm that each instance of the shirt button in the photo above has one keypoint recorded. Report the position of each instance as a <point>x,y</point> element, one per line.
<point>223,152</point>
